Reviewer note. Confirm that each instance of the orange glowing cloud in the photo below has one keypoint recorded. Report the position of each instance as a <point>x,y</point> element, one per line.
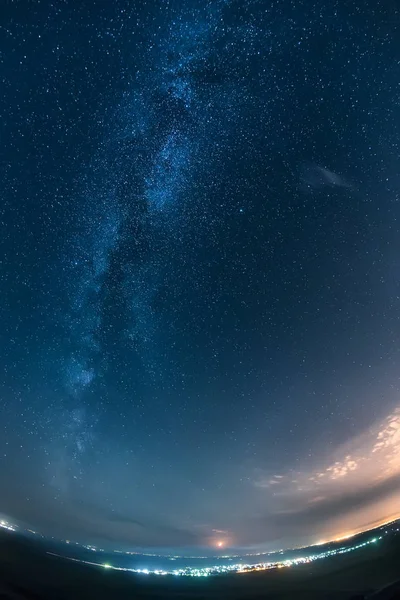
<point>357,489</point>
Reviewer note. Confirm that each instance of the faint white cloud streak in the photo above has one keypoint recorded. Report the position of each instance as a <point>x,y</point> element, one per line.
<point>366,460</point>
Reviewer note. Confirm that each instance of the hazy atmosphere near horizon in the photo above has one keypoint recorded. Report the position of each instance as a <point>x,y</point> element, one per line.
<point>200,270</point>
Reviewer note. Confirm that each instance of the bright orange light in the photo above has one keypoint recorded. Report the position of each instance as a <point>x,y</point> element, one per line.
<point>345,537</point>
<point>221,541</point>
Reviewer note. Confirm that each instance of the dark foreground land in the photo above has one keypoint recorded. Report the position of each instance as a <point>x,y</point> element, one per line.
<point>27,572</point>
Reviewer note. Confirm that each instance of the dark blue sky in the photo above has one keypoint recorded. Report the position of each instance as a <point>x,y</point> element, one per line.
<point>199,269</point>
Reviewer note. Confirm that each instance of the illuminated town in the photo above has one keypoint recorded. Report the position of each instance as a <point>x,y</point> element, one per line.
<point>235,567</point>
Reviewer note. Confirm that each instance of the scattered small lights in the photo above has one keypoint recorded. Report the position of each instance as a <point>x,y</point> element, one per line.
<point>234,567</point>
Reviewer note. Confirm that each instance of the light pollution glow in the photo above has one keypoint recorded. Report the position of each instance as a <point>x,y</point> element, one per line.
<point>357,490</point>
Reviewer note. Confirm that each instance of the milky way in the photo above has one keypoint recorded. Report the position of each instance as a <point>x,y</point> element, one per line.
<point>199,269</point>
<point>135,191</point>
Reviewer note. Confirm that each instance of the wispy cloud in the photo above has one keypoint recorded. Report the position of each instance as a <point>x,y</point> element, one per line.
<point>363,475</point>
<point>314,177</point>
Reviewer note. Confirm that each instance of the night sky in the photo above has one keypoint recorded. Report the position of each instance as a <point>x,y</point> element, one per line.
<point>200,269</point>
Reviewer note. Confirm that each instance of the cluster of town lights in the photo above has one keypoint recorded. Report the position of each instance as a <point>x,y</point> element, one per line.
<point>5,525</point>
<point>211,570</point>
<point>240,568</point>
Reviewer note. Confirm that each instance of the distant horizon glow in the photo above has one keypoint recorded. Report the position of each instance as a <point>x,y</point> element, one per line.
<point>11,526</point>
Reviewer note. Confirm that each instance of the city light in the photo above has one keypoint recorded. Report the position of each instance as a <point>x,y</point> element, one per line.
<point>234,568</point>
<point>6,525</point>
<point>241,563</point>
